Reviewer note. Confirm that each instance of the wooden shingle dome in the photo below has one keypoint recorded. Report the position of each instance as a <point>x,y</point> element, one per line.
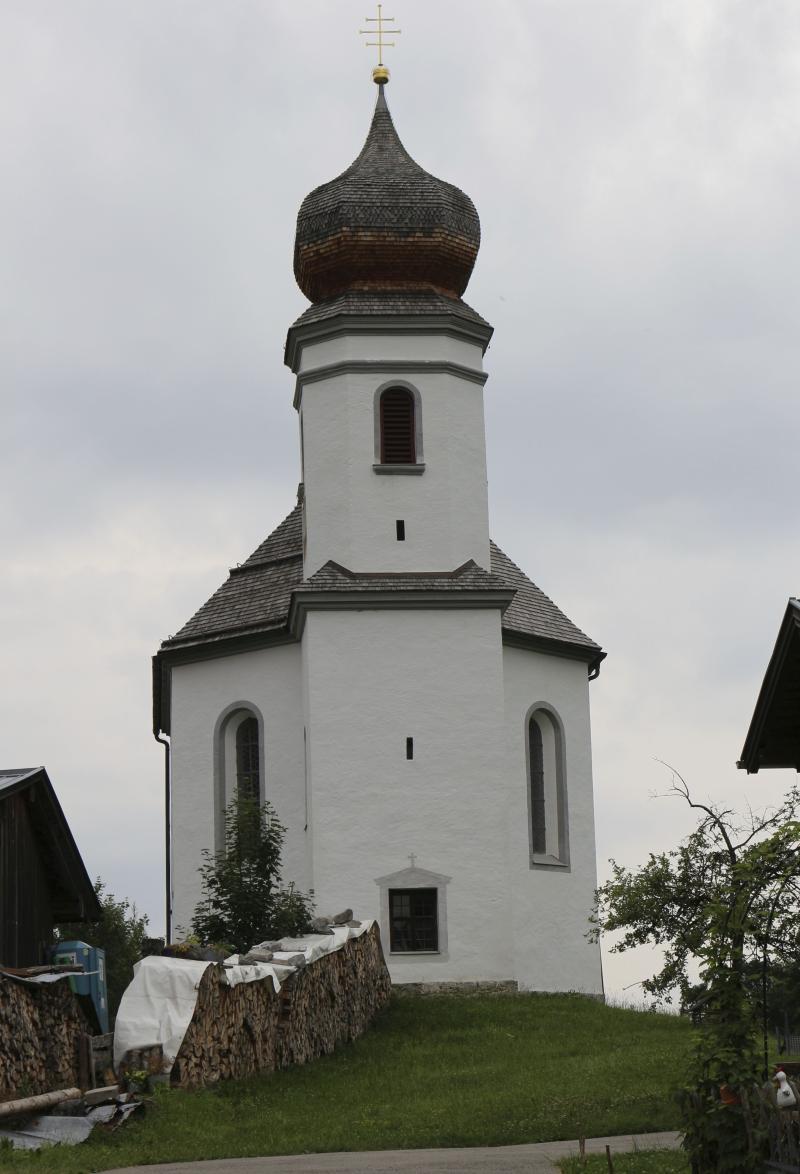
<point>385,224</point>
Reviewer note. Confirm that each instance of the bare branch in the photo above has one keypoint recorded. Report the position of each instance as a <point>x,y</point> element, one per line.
<point>681,788</point>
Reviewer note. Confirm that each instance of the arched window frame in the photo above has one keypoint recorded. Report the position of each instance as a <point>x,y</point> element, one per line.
<point>555,789</point>
<point>225,761</point>
<point>419,463</point>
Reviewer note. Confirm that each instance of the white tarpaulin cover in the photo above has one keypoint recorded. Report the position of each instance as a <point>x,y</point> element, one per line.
<point>158,1005</point>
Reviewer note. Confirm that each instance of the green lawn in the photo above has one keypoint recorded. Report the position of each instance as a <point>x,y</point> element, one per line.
<point>645,1162</point>
<point>433,1071</point>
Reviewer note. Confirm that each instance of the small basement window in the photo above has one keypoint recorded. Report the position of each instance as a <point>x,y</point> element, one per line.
<point>413,921</point>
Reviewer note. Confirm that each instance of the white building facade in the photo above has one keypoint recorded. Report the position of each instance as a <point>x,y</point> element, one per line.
<point>415,709</point>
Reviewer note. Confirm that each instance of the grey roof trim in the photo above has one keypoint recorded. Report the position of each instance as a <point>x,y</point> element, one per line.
<point>551,646</point>
<point>449,325</point>
<point>204,648</point>
<point>384,599</point>
<point>269,633</point>
<point>387,367</point>
<point>754,751</point>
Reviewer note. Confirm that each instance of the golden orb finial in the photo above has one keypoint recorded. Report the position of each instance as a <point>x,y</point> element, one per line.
<point>380,75</point>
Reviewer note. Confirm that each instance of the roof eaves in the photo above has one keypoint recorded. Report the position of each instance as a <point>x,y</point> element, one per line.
<point>789,630</point>
<point>591,653</point>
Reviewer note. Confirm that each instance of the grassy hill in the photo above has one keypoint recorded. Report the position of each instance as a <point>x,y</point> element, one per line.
<point>434,1071</point>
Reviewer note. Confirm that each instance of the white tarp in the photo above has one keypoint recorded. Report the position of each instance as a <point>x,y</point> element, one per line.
<point>158,1005</point>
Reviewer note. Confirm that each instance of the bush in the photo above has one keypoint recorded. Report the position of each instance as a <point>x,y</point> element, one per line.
<point>121,932</point>
<point>244,900</point>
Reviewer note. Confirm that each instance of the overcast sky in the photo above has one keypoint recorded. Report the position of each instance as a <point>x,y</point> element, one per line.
<point>636,169</point>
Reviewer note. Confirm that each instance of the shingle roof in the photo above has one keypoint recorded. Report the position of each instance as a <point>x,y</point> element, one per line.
<point>385,222</point>
<point>257,594</point>
<point>532,613</point>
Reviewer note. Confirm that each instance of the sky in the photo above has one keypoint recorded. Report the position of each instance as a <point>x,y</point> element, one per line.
<point>635,165</point>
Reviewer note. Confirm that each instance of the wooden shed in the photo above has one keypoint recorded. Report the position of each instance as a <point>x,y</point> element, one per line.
<point>43,880</point>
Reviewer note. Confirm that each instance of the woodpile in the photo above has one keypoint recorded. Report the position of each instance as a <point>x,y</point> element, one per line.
<point>41,1026</point>
<point>238,1031</point>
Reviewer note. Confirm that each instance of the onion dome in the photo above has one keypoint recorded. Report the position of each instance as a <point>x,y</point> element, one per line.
<point>385,224</point>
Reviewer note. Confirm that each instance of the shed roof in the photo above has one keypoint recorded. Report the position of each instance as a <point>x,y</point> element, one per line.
<point>72,892</point>
<point>773,739</point>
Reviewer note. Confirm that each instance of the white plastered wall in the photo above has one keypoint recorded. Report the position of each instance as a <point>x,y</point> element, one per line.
<point>350,510</point>
<point>550,906</point>
<point>270,680</point>
<point>374,678</point>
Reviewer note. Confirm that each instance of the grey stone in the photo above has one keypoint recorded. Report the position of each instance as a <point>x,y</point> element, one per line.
<point>255,956</point>
<point>344,917</point>
<point>297,960</point>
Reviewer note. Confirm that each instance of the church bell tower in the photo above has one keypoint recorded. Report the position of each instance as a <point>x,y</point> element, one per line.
<point>389,367</point>
<point>414,708</point>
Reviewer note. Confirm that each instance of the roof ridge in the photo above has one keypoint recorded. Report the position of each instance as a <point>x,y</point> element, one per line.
<point>256,565</point>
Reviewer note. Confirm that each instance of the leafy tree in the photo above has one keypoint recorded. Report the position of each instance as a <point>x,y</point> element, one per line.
<point>726,899</point>
<point>244,900</point>
<point>121,932</point>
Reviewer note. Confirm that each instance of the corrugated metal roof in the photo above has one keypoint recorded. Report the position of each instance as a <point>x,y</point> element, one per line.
<point>9,778</point>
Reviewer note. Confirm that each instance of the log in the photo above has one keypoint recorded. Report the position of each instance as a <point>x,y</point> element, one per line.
<point>238,1031</point>
<point>43,1100</point>
<point>40,1025</point>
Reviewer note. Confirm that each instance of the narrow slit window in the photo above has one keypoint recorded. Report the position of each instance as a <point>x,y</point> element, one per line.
<point>409,748</point>
<point>401,530</point>
<point>398,427</point>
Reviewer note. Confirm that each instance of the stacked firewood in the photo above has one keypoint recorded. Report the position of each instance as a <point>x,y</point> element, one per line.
<point>40,1028</point>
<point>238,1031</point>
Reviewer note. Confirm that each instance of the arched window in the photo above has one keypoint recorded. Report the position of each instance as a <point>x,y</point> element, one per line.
<point>238,761</point>
<point>248,767</point>
<point>398,427</point>
<point>547,796</point>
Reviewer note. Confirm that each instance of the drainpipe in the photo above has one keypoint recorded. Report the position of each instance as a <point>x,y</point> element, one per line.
<point>167,835</point>
<point>594,667</point>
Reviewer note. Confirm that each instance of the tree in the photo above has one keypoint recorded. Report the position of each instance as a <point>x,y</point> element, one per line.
<point>244,900</point>
<point>121,932</point>
<point>726,899</point>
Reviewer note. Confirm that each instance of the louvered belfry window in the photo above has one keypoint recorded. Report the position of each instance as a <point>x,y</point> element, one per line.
<point>398,431</point>
<point>538,819</point>
<point>247,760</point>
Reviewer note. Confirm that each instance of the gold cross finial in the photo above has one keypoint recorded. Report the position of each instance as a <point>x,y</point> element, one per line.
<point>380,75</point>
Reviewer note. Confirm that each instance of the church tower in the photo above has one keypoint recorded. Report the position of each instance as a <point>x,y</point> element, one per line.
<point>412,705</point>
